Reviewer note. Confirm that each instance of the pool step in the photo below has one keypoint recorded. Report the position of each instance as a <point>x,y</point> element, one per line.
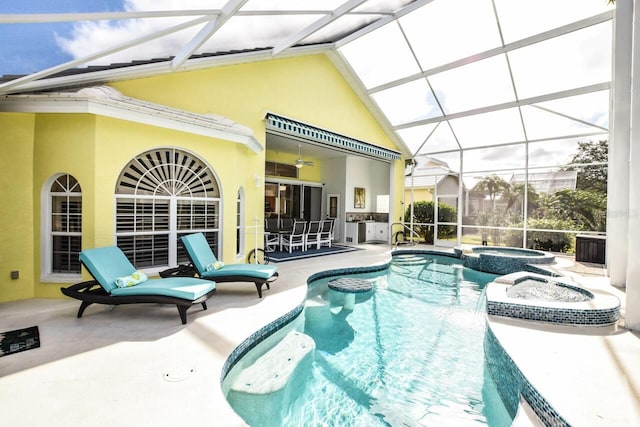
<point>273,370</point>
<point>409,260</point>
<point>264,391</point>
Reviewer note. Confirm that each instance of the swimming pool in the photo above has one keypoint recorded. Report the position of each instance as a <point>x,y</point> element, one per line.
<point>410,352</point>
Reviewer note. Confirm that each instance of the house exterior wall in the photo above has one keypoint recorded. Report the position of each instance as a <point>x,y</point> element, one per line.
<point>419,194</point>
<point>95,149</point>
<point>17,205</point>
<point>63,144</point>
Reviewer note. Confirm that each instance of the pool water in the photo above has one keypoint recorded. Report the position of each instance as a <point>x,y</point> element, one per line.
<point>544,291</point>
<point>410,353</point>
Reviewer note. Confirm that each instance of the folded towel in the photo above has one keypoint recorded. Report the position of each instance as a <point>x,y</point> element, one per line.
<point>131,280</point>
<point>215,266</point>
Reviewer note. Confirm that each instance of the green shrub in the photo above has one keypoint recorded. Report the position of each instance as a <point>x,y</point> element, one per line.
<point>552,241</point>
<point>423,215</point>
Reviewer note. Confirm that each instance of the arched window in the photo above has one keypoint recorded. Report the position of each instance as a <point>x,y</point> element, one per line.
<point>161,195</point>
<point>61,228</point>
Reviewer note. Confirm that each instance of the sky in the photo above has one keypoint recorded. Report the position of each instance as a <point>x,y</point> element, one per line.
<point>27,48</point>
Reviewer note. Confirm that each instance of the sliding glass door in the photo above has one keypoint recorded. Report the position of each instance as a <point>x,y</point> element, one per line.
<point>287,200</point>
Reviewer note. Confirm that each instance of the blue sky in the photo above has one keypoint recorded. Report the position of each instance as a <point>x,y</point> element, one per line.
<point>26,48</point>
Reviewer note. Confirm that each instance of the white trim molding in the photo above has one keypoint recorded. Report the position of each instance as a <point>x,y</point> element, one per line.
<point>109,102</point>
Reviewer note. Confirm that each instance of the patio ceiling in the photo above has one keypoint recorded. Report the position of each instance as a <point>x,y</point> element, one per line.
<point>440,76</point>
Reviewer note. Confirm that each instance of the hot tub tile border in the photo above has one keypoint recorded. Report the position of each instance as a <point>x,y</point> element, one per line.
<point>560,316</point>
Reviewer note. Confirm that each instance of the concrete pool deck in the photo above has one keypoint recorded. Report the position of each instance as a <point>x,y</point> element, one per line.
<point>137,365</point>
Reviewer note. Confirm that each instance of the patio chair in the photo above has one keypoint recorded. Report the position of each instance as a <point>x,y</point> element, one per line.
<point>208,267</point>
<point>296,238</point>
<point>326,233</point>
<point>286,224</point>
<point>271,241</point>
<point>108,265</point>
<point>271,225</point>
<point>312,235</point>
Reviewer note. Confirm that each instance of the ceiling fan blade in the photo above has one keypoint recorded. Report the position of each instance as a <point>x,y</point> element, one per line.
<point>300,162</point>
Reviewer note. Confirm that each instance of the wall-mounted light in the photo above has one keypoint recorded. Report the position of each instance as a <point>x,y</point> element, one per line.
<point>257,178</point>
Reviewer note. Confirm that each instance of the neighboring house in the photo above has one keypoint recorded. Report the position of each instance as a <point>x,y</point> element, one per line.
<point>139,161</point>
<point>432,178</point>
<point>421,179</point>
<point>548,182</point>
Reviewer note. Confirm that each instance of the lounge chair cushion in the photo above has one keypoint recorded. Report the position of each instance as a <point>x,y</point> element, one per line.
<point>107,264</point>
<point>188,288</point>
<point>259,271</point>
<point>202,256</point>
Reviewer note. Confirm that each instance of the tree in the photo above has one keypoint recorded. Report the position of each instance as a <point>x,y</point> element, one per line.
<point>514,195</point>
<point>585,209</point>
<point>594,156</point>
<point>493,218</point>
<point>491,185</point>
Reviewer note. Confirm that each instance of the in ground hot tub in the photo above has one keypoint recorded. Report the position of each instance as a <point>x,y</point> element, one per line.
<point>502,260</point>
<point>546,290</point>
<point>531,296</point>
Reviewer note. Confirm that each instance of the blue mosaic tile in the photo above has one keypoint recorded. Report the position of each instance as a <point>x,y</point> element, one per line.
<point>512,384</point>
<point>566,316</point>
<point>257,337</point>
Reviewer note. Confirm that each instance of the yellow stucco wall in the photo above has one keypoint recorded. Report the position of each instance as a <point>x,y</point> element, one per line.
<point>227,159</point>
<point>95,149</point>
<point>16,206</point>
<point>64,144</point>
<point>306,88</point>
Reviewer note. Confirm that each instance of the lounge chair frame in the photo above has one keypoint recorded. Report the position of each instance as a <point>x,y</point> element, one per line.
<point>110,260</point>
<point>91,292</point>
<point>189,270</point>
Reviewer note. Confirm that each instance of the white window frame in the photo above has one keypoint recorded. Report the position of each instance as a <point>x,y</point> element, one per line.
<point>172,232</point>
<point>46,235</point>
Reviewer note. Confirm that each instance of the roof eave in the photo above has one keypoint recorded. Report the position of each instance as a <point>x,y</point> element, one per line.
<point>132,110</point>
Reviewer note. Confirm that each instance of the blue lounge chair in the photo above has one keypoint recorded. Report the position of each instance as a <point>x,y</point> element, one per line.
<point>109,264</point>
<point>208,267</point>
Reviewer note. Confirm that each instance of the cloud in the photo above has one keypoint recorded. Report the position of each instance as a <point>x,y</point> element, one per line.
<point>240,32</point>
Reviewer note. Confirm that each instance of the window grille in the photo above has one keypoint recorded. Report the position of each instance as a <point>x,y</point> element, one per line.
<point>162,195</point>
<point>65,203</point>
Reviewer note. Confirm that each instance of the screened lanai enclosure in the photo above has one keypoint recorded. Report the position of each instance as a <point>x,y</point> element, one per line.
<point>505,109</point>
<point>501,106</point>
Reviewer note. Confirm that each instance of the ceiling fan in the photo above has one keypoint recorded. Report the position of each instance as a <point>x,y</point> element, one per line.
<point>299,162</point>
